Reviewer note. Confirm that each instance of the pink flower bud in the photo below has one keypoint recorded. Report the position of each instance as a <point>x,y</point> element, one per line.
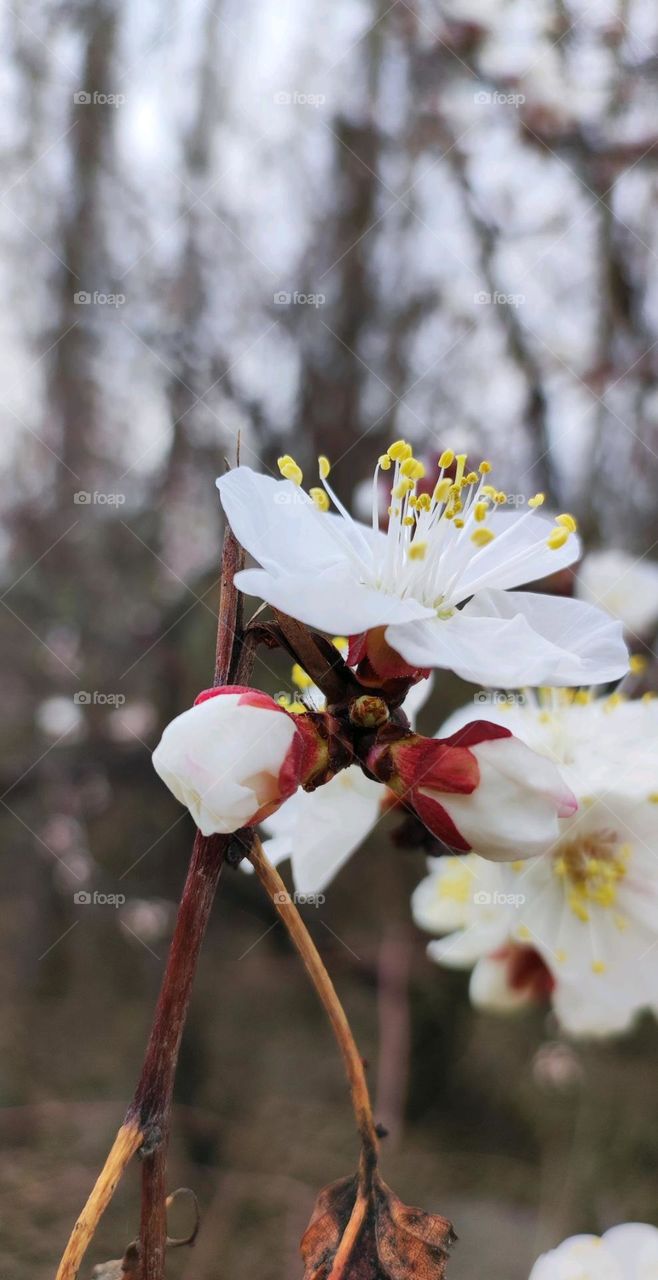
<point>235,756</point>
<point>480,789</point>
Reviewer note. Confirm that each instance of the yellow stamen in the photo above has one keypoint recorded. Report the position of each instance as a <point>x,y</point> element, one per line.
<point>417,550</point>
<point>557,538</point>
<point>402,487</point>
<point>412,468</point>
<point>538,500</point>
<point>638,664</point>
<point>567,522</point>
<point>324,466</point>
<point>384,462</point>
<point>320,498</point>
<point>447,458</point>
<point>300,678</point>
<point>485,468</point>
<point>289,469</point>
<point>442,490</point>
<point>399,451</point>
<point>480,511</point>
<point>598,966</point>
<point>461,466</point>
<point>481,537</point>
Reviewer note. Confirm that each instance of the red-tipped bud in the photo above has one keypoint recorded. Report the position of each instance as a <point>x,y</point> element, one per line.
<point>480,789</point>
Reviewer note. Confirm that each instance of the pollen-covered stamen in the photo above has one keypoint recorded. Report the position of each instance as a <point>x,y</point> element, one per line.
<point>592,866</point>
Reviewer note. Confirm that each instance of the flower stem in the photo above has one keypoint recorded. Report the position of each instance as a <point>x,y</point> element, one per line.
<point>279,896</point>
<point>146,1126</point>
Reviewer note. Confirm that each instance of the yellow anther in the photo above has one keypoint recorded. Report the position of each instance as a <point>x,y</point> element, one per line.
<point>424,502</point>
<point>653,797</point>
<point>417,550</point>
<point>557,539</point>
<point>648,697</point>
<point>538,500</point>
<point>578,907</point>
<point>461,467</point>
<point>300,678</point>
<point>517,866</point>
<point>480,511</point>
<point>384,462</point>
<point>340,643</point>
<point>412,468</point>
<point>582,697</point>
<point>399,451</point>
<point>442,490</point>
<point>289,469</point>
<point>459,524</point>
<point>402,487</point>
<point>485,468</point>
<point>500,498</point>
<point>472,477</point>
<point>638,663</point>
<point>489,490</point>
<point>481,537</point>
<point>523,933</point>
<point>567,522</point>
<point>447,458</point>
<point>409,521</point>
<point>324,466</point>
<point>320,498</point>
<point>598,966</point>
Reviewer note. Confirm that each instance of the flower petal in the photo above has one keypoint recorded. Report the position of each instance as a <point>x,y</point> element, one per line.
<point>518,553</point>
<point>319,830</point>
<point>512,638</point>
<point>330,599</point>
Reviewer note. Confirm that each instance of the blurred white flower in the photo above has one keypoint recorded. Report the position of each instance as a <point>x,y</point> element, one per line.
<point>232,758</point>
<point>442,547</point>
<point>580,922</point>
<point>628,1252</point>
<point>60,717</point>
<point>625,586</point>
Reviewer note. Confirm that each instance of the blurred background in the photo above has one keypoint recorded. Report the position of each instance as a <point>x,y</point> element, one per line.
<point>322,229</point>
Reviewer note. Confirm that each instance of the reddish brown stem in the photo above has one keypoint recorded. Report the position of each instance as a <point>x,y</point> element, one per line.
<point>146,1127</point>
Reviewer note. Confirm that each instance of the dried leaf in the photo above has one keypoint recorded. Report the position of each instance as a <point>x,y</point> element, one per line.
<point>353,1236</point>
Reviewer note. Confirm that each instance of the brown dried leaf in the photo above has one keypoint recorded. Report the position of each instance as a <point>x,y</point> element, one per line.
<point>373,1237</point>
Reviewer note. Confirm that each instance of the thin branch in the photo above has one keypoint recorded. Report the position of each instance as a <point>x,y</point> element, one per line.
<point>279,896</point>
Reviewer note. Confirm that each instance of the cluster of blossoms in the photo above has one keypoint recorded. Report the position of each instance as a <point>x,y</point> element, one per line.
<point>628,1252</point>
<point>548,807</point>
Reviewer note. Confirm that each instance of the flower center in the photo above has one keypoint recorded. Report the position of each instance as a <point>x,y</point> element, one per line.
<point>436,526</point>
<point>592,867</point>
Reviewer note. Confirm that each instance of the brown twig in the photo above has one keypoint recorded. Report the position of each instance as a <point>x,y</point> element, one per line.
<point>279,896</point>
<point>146,1127</point>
